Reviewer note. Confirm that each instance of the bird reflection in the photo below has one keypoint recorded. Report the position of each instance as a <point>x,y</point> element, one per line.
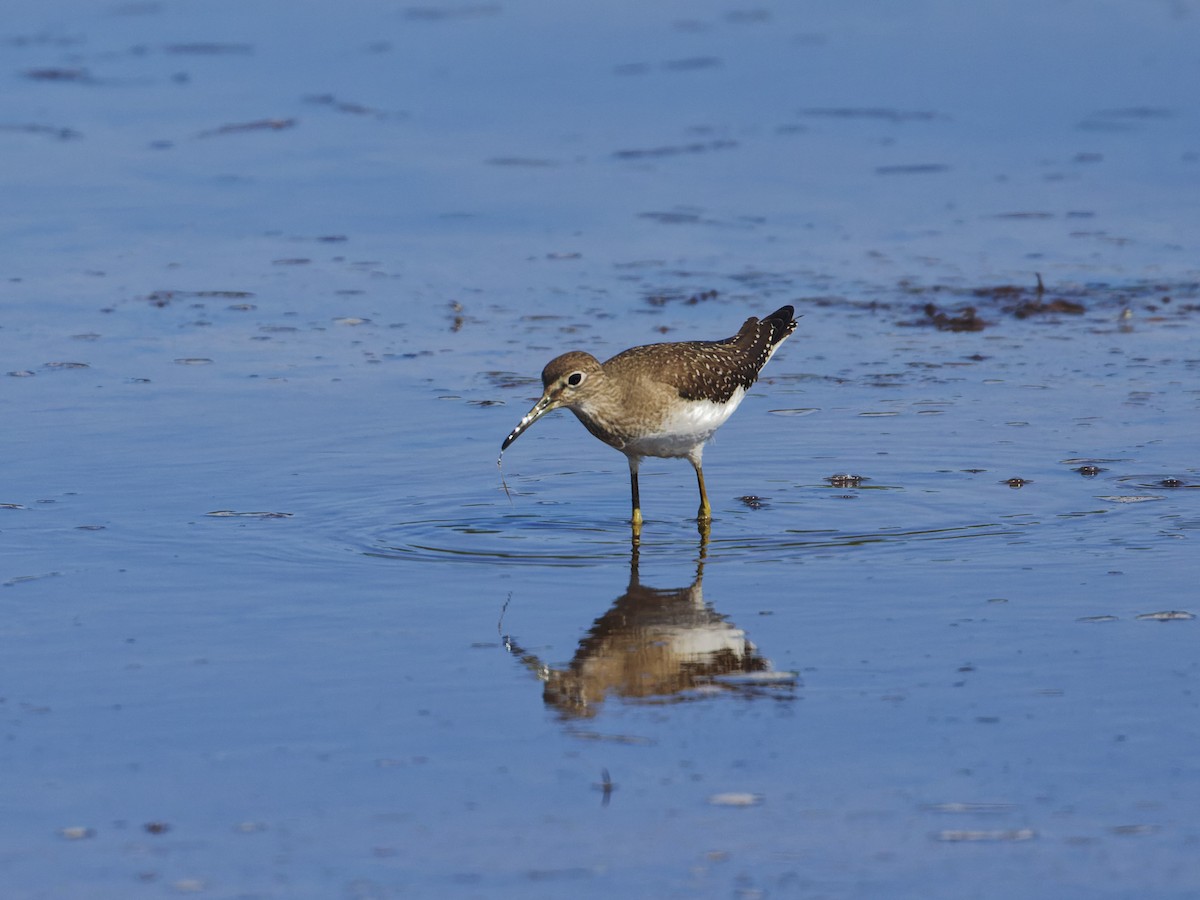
<point>656,646</point>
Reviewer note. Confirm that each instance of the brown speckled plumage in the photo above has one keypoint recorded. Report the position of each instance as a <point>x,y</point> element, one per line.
<point>712,370</point>
<point>661,400</point>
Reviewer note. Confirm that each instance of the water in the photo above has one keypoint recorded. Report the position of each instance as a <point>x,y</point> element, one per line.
<point>278,281</point>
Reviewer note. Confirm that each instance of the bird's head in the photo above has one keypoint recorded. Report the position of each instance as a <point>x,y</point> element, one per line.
<point>566,380</point>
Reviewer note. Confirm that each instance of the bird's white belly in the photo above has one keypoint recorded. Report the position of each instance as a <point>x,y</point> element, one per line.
<point>685,428</point>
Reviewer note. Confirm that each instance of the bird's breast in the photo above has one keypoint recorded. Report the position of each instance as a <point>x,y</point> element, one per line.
<point>687,425</point>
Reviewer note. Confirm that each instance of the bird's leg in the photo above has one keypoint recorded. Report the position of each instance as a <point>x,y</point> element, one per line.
<point>634,462</point>
<point>704,514</point>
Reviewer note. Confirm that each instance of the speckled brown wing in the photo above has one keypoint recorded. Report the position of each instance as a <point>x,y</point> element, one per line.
<point>714,370</point>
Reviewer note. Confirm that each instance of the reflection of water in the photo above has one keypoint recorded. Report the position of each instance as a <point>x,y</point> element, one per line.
<point>656,645</point>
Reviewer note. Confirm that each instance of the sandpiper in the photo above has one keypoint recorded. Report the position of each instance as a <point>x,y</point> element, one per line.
<point>661,400</point>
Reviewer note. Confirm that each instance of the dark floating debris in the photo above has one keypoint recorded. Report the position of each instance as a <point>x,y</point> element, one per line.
<point>203,48</point>
<point>1018,301</point>
<point>1024,215</point>
<point>846,480</point>
<point>1135,112</point>
<point>347,106</point>
<point>662,298</point>
<point>521,162</point>
<point>243,127</point>
<point>165,297</point>
<point>81,76</point>
<point>913,169</point>
<point>53,131</point>
<point>1023,303</point>
<point>156,827</point>
<point>671,218</point>
<point>1027,308</point>
<point>233,514</point>
<point>965,319</point>
<point>66,365</point>
<point>676,149</point>
<point>890,115</point>
<point>1119,119</point>
<point>509,380</point>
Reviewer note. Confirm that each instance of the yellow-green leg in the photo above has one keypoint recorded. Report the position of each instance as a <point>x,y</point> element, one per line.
<point>705,512</point>
<point>636,519</point>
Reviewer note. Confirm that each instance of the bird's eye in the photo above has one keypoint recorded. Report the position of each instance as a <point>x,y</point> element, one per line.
<point>575,379</point>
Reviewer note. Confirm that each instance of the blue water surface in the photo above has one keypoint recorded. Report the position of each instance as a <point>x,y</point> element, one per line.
<point>279,278</point>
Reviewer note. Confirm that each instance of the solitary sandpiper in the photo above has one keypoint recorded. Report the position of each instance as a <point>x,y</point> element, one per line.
<point>661,399</point>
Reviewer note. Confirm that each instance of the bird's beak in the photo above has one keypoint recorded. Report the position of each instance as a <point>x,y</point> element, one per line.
<point>543,406</point>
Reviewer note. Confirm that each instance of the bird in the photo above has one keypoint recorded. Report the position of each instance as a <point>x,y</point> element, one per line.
<point>662,400</point>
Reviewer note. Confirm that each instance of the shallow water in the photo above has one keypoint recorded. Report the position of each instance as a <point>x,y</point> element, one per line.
<point>279,279</point>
